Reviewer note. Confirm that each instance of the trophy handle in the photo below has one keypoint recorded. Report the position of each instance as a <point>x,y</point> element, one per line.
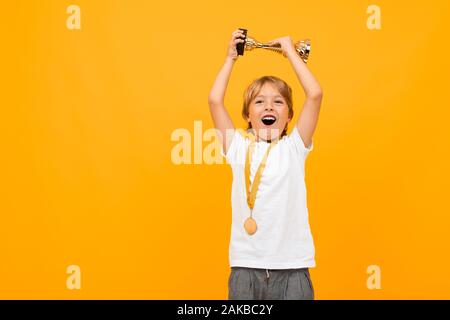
<point>303,48</point>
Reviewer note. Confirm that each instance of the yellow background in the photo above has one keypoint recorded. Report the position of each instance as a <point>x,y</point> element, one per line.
<point>87,116</point>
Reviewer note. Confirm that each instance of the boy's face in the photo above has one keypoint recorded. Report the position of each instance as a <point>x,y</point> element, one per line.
<point>268,113</point>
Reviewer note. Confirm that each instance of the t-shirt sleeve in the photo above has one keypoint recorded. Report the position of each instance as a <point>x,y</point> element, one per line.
<point>235,145</point>
<point>298,144</point>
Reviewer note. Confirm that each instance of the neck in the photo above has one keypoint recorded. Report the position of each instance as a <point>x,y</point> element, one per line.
<point>258,139</point>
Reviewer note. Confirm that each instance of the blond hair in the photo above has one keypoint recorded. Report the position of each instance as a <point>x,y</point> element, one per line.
<point>253,89</point>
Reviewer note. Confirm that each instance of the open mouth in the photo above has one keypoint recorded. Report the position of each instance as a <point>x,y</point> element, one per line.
<point>268,120</point>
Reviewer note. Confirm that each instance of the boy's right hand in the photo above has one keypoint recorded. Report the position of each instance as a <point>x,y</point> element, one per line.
<point>237,36</point>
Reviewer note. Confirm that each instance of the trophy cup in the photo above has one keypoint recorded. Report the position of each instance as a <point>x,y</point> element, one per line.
<point>302,47</point>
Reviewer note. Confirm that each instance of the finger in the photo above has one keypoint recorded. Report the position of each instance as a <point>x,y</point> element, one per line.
<point>235,42</point>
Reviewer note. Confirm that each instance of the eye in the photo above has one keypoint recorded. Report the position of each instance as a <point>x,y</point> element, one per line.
<point>259,101</point>
<point>279,101</point>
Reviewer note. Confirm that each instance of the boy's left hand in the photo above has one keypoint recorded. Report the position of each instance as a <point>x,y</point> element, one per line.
<point>286,44</point>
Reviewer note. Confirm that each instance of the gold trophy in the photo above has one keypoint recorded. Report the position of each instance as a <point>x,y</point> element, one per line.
<point>302,47</point>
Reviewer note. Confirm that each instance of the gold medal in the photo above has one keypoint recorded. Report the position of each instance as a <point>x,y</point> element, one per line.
<point>250,223</point>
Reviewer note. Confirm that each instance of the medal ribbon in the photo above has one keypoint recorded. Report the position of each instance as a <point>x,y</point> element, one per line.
<point>251,194</point>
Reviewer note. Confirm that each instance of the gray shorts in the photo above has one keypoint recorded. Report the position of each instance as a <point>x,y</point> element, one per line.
<point>269,284</point>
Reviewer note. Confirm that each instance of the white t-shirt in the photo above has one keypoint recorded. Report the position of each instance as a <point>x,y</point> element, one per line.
<point>283,239</point>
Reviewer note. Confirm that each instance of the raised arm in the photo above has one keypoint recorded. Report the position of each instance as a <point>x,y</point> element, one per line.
<point>307,120</point>
<point>219,113</point>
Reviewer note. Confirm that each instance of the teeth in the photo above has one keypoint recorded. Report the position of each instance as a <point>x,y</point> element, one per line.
<point>268,120</point>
